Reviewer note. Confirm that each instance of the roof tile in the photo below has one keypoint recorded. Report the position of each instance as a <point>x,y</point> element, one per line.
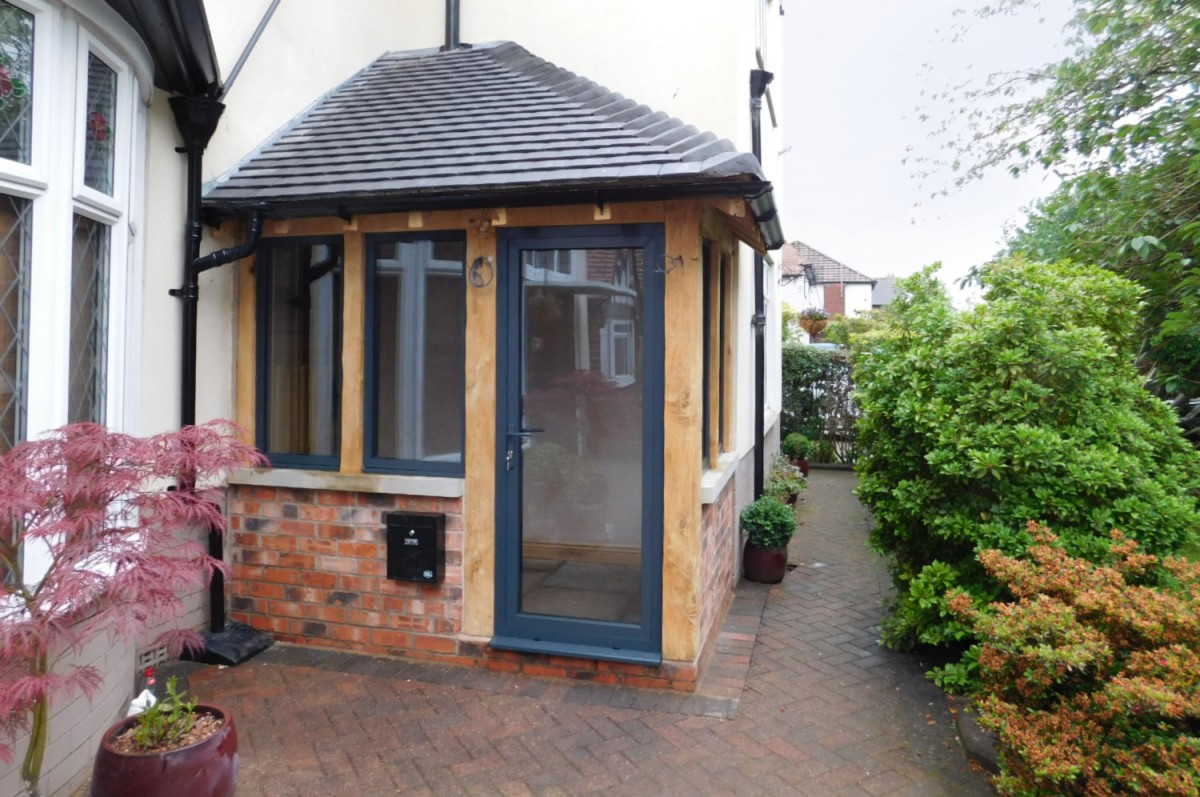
<point>478,120</point>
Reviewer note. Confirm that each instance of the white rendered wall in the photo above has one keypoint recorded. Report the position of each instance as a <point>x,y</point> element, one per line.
<point>858,299</point>
<point>687,58</point>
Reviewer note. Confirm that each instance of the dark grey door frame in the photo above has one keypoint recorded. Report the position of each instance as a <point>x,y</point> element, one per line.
<point>537,633</point>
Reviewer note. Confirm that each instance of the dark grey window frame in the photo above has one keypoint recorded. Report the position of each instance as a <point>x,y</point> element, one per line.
<point>262,325</point>
<point>372,462</point>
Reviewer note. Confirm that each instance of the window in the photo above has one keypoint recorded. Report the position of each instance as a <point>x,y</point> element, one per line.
<point>89,311</point>
<point>70,77</point>
<point>717,352</point>
<point>299,351</point>
<point>416,348</point>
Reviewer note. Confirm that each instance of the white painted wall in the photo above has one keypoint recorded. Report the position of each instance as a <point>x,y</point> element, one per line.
<point>688,58</point>
<point>858,299</point>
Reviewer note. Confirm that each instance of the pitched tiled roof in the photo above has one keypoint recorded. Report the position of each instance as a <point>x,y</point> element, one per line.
<point>797,256</point>
<point>884,292</point>
<point>488,122</point>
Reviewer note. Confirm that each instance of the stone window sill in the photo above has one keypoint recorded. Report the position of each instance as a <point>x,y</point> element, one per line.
<point>386,483</point>
<point>714,479</point>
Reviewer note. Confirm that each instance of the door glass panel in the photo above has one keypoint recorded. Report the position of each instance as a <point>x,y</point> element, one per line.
<point>581,496</point>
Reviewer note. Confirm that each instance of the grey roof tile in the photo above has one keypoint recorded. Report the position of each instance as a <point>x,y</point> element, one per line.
<point>484,120</point>
<point>795,256</point>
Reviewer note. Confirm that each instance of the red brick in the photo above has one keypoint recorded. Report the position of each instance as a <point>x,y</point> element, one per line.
<point>317,545</point>
<point>544,671</point>
<point>435,644</point>
<point>297,528</point>
<point>278,542</point>
<point>318,513</point>
<point>335,498</point>
<point>313,578</point>
<point>281,575</point>
<point>335,532</point>
<point>391,639</point>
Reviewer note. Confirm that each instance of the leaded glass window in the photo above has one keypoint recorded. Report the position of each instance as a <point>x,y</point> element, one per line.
<point>89,321</point>
<point>16,83</point>
<point>15,226</point>
<point>98,126</point>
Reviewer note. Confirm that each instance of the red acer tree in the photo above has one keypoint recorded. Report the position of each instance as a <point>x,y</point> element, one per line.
<point>93,543</point>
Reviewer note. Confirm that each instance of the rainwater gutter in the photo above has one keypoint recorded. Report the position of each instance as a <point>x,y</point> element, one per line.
<point>759,80</point>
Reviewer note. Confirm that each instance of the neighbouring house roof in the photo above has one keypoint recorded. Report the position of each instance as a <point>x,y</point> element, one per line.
<point>823,269</point>
<point>490,124</point>
<point>884,292</point>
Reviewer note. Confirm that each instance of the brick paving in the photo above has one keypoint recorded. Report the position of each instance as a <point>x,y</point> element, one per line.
<point>798,699</point>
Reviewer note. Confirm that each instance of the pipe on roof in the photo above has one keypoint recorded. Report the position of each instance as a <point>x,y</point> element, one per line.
<point>452,18</point>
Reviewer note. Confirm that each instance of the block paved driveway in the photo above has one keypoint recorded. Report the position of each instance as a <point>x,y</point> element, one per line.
<point>799,700</point>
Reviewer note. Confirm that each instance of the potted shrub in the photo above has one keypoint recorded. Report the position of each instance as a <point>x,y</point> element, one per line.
<point>769,525</point>
<point>175,748</point>
<point>798,449</point>
<point>784,482</point>
<point>812,320</point>
<point>113,558</point>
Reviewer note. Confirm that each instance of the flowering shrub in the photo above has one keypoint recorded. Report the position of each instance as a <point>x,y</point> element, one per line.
<point>814,314</point>
<point>93,503</point>
<point>1028,406</point>
<point>785,481</point>
<point>1092,676</point>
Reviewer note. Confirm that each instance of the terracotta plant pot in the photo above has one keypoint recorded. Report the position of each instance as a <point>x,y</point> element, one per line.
<point>205,769</point>
<point>764,565</point>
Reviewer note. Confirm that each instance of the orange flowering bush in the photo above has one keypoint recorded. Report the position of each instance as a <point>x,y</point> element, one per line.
<point>1091,677</point>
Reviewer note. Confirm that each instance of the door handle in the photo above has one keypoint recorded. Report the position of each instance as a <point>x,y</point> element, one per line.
<point>525,436</point>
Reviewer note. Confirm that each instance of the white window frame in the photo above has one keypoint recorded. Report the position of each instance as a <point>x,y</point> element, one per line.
<point>618,333</point>
<point>65,32</point>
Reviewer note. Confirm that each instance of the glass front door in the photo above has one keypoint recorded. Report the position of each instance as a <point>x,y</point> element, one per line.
<point>580,532</point>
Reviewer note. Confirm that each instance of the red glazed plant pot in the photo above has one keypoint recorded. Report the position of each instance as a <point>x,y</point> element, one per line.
<point>205,769</point>
<point>764,565</point>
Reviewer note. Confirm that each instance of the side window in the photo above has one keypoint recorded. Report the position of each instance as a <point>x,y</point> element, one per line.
<point>299,352</point>
<point>416,350</point>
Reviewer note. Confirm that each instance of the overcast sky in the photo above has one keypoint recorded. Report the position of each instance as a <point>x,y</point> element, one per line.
<point>855,70</point>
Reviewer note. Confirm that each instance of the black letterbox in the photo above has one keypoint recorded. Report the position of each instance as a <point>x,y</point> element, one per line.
<point>416,547</point>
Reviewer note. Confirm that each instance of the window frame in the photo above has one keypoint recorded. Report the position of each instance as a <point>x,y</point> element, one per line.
<point>262,321</point>
<point>372,462</point>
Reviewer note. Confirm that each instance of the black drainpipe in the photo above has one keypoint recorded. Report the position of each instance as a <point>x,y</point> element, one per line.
<point>452,42</point>
<point>196,118</point>
<point>759,80</point>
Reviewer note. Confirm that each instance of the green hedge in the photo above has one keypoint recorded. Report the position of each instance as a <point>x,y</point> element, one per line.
<point>1027,407</point>
<point>817,401</point>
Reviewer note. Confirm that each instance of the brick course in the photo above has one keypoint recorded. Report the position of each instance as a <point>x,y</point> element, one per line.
<point>309,568</point>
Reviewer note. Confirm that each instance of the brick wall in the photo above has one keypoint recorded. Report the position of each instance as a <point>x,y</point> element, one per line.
<point>309,566</point>
<point>718,558</point>
<point>835,299</point>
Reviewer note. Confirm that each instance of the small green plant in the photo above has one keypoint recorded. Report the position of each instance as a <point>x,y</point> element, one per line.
<point>785,481</point>
<point>797,446</point>
<point>1092,677</point>
<point>814,314</point>
<point>167,722</point>
<point>768,522</point>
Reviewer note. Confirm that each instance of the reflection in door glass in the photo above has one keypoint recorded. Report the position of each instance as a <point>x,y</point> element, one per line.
<point>581,513</point>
